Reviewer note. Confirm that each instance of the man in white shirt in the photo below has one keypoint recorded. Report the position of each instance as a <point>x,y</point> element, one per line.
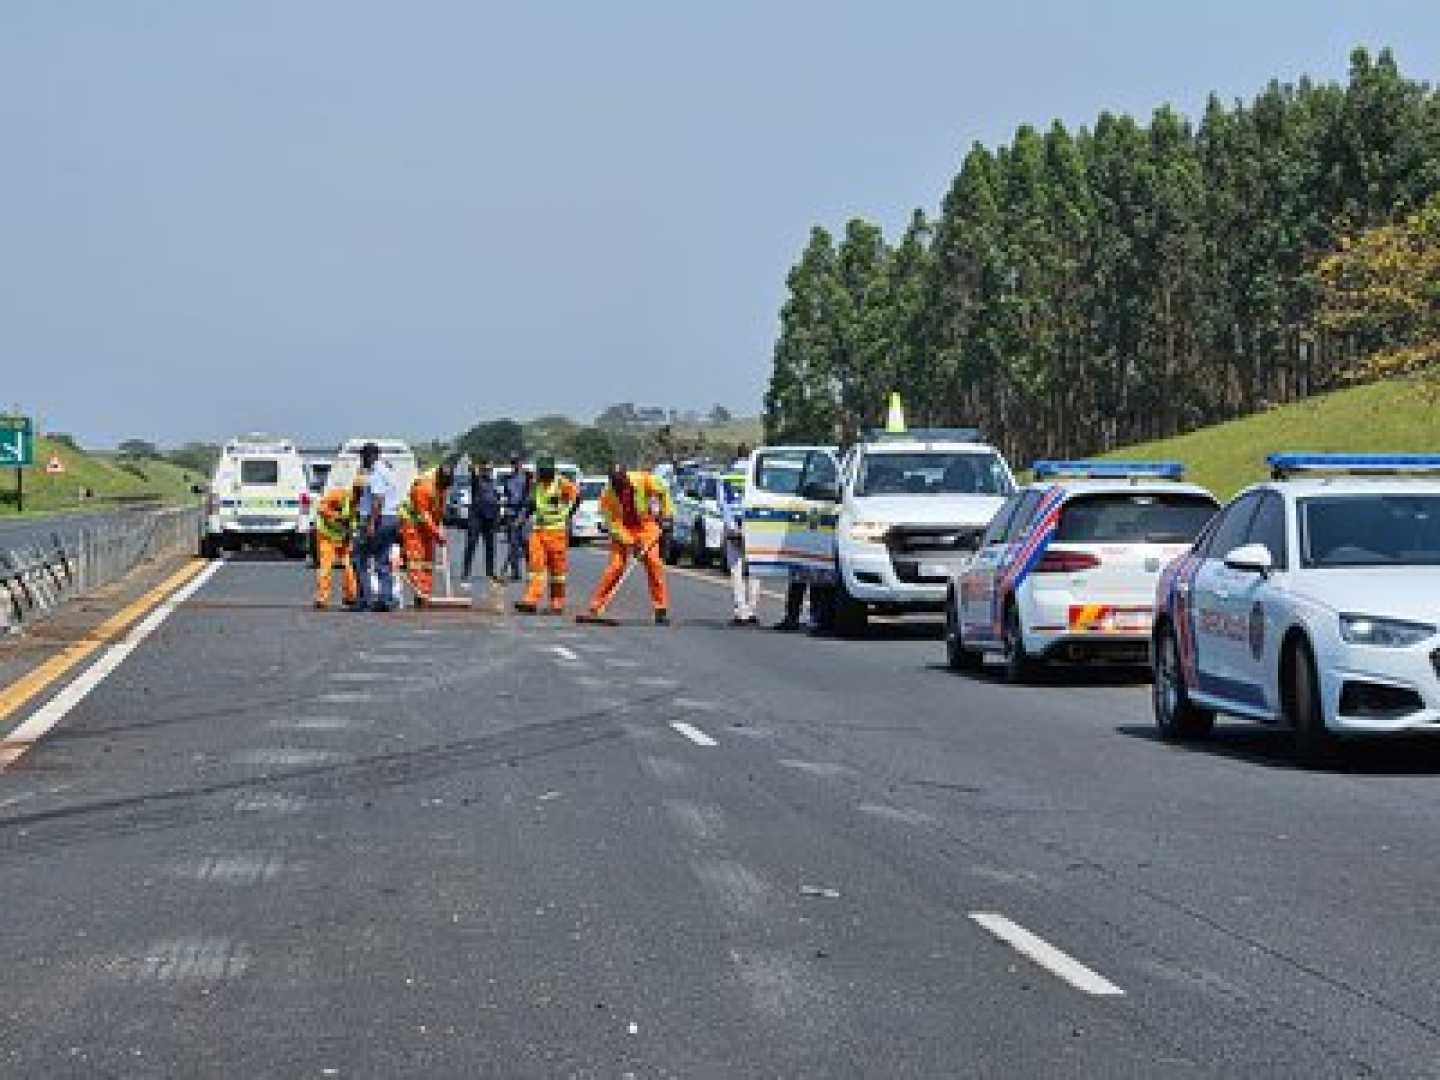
<point>379,529</point>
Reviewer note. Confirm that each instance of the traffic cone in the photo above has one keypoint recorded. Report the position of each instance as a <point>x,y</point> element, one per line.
<point>895,417</point>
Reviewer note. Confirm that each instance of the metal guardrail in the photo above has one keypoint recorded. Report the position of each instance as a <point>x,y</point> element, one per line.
<point>35,580</point>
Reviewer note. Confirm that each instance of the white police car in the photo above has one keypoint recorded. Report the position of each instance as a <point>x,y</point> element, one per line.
<point>1067,568</point>
<point>1312,601</point>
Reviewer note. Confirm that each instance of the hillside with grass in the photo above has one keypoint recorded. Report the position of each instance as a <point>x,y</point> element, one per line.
<point>1400,416</point>
<point>111,481</point>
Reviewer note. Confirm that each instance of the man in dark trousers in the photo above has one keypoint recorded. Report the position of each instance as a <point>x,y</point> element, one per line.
<point>484,516</point>
<point>517,518</point>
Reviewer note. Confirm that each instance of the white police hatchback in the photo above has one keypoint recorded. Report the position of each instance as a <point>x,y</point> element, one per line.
<point>1312,601</point>
<point>1066,570</point>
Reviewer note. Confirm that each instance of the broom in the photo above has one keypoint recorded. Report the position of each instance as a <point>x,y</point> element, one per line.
<point>599,618</point>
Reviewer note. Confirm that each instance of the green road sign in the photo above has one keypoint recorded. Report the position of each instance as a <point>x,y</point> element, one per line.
<point>17,442</point>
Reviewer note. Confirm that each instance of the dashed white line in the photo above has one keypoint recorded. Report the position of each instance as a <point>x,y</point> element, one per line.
<point>693,733</point>
<point>1037,949</point>
<point>565,653</point>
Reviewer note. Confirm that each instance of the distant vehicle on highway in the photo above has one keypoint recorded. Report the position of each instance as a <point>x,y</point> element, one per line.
<point>1313,602</point>
<point>1067,569</point>
<point>588,523</point>
<point>259,497</point>
<point>395,452</point>
<point>699,524</point>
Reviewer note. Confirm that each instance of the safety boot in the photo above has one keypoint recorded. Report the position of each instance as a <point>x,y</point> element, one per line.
<point>524,608</point>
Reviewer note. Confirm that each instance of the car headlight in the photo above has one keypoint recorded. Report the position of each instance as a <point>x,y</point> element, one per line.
<point>1388,633</point>
<point>869,532</point>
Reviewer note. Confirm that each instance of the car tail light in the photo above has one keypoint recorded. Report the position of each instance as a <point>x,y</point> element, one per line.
<point>304,502</point>
<point>1066,562</point>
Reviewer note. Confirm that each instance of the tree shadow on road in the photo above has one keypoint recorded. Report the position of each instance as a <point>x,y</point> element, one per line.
<point>1275,748</point>
<point>1063,676</point>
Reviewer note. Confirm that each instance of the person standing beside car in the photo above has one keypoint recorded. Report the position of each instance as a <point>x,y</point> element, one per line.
<point>517,498</point>
<point>484,516</point>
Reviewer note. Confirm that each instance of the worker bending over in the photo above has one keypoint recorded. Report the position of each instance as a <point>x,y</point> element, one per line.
<point>553,502</point>
<point>422,529</point>
<point>637,509</point>
<point>334,534</point>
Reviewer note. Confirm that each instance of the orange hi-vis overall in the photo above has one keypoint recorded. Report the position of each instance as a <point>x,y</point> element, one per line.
<point>334,528</point>
<point>422,528</point>
<point>549,552</point>
<point>634,524</point>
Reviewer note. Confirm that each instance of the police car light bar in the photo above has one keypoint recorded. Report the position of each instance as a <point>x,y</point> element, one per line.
<point>1286,465</point>
<point>928,435</point>
<point>1109,470</point>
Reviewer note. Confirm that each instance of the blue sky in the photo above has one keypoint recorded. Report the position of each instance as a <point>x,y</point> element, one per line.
<point>321,217</point>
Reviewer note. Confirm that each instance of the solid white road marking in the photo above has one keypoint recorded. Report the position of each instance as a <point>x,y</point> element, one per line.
<point>1064,967</point>
<point>565,653</point>
<point>44,719</point>
<point>693,733</point>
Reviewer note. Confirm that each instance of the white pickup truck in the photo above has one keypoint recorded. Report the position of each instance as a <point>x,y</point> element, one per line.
<point>880,530</point>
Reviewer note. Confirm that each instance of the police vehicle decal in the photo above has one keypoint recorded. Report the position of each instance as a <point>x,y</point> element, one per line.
<point>1179,580</point>
<point>1021,559</point>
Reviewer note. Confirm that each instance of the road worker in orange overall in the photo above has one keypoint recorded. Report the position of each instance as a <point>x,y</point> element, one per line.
<point>334,533</point>
<point>553,502</point>
<point>637,509</point>
<point>422,528</point>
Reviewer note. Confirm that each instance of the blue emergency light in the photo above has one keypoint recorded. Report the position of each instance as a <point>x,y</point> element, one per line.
<point>1109,470</point>
<point>1286,465</point>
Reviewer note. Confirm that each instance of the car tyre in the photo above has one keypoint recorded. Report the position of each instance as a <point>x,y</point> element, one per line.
<point>852,617</point>
<point>209,548</point>
<point>957,656</point>
<point>698,555</point>
<point>1176,716</point>
<point>1315,746</point>
<point>1020,666</point>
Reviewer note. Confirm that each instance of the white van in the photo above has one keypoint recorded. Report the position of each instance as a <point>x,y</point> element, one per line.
<point>259,497</point>
<point>394,452</point>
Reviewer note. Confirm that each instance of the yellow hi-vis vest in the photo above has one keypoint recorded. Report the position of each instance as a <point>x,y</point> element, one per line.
<point>552,504</point>
<point>336,531</point>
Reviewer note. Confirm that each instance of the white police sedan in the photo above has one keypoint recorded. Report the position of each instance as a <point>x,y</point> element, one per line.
<point>1067,569</point>
<point>1311,601</point>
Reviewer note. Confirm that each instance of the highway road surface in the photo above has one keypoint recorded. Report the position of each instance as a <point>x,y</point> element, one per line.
<point>277,842</point>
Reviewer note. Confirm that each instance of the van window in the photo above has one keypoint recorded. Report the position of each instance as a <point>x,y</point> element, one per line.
<point>1134,518</point>
<point>259,471</point>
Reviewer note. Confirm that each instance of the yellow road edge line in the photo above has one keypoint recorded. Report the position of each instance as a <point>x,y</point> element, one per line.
<point>30,685</point>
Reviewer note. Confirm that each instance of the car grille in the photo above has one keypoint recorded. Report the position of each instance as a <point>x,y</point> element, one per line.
<point>916,548</point>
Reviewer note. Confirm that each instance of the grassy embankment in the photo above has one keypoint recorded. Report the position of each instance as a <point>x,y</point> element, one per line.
<point>1390,417</point>
<point>113,482</point>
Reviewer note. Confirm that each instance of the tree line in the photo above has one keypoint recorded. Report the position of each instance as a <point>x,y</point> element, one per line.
<point>1127,281</point>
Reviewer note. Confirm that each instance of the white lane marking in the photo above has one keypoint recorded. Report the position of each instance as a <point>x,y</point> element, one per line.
<point>1059,964</point>
<point>657,682</point>
<point>359,676</point>
<point>816,768</point>
<point>693,733</point>
<point>288,757</point>
<point>194,959</point>
<point>238,869</point>
<point>695,705</point>
<point>895,813</point>
<point>271,802</point>
<point>345,697</point>
<point>43,719</point>
<point>565,653</point>
<point>316,723</point>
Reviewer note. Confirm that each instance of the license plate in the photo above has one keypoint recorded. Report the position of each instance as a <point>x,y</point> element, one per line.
<point>934,569</point>
<point>1132,621</point>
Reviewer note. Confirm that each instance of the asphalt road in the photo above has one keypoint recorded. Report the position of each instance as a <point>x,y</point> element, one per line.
<point>276,842</point>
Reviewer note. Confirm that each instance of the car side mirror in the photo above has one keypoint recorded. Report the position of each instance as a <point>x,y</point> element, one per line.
<point>1250,559</point>
<point>820,492</point>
